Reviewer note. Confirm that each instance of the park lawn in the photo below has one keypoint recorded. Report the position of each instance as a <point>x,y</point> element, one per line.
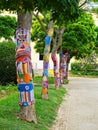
<point>38,79</point>
<point>92,74</point>
<point>45,110</point>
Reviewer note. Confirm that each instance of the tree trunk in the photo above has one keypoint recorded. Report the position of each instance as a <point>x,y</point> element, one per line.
<point>62,68</point>
<point>67,68</point>
<point>24,67</point>
<point>46,61</point>
<point>57,42</point>
<point>56,71</point>
<point>67,60</point>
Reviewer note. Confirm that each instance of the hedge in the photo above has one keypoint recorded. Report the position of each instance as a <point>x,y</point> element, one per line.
<point>79,66</point>
<point>7,63</point>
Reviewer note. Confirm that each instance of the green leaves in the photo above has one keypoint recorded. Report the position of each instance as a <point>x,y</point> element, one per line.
<point>96,43</point>
<point>7,26</point>
<point>15,5</point>
<point>67,8</point>
<point>80,36</point>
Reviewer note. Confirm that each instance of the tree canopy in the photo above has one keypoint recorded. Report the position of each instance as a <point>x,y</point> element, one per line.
<point>56,6</point>
<point>15,5</point>
<point>79,37</point>
<point>7,26</point>
<point>37,4</point>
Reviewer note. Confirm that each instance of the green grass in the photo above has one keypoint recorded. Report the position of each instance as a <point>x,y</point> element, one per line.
<point>45,109</point>
<point>84,73</point>
<point>38,79</point>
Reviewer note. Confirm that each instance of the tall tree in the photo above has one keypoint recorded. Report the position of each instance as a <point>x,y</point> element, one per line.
<point>57,42</point>
<point>24,10</point>
<point>24,67</point>
<point>23,55</point>
<point>68,11</point>
<point>80,36</point>
<point>78,39</point>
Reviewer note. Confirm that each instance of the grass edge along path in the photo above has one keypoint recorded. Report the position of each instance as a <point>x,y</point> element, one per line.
<point>45,110</point>
<point>89,74</point>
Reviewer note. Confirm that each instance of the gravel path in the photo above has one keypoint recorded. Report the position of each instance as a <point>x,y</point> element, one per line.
<point>79,110</point>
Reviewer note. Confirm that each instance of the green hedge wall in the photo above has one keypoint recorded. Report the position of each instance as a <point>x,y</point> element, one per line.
<point>78,66</point>
<point>7,63</point>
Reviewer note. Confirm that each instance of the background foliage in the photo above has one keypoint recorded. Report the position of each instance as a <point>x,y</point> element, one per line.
<point>87,64</point>
<point>7,26</point>
<point>7,63</point>
<point>96,43</point>
<point>80,36</point>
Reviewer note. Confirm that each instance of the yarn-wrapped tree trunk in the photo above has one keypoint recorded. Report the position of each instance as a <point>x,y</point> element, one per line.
<point>46,61</point>
<point>56,70</point>
<point>63,67</point>
<point>68,57</point>
<point>24,67</point>
<point>57,42</point>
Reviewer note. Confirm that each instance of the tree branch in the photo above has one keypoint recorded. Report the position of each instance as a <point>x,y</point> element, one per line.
<point>83,3</point>
<point>59,43</point>
<point>45,20</point>
<point>42,25</point>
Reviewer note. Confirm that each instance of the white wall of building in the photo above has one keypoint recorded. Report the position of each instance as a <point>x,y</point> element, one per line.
<point>95,17</point>
<point>38,64</point>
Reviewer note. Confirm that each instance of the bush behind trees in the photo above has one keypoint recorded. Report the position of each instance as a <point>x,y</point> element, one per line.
<point>7,63</point>
<point>79,66</point>
<point>89,63</point>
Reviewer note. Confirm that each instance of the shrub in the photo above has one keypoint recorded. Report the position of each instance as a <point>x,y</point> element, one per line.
<point>79,66</point>
<point>76,66</point>
<point>7,63</point>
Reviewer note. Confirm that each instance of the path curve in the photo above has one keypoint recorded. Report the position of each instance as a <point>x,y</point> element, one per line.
<point>79,110</point>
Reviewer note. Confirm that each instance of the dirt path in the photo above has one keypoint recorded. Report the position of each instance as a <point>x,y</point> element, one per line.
<point>79,110</point>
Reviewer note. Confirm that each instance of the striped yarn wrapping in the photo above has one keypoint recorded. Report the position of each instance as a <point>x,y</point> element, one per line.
<point>24,67</point>
<point>56,72</point>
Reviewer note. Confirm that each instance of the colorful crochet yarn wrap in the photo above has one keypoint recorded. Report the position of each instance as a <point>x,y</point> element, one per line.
<point>56,70</point>
<point>62,68</point>
<point>24,67</point>
<point>46,64</point>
